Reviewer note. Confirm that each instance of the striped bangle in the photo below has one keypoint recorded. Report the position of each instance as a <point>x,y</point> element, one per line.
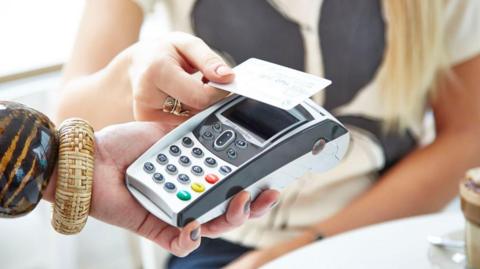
<point>75,176</point>
<point>28,153</point>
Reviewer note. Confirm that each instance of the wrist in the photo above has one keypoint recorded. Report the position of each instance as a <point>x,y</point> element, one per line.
<point>108,89</point>
<point>313,234</point>
<point>116,75</point>
<point>49,192</point>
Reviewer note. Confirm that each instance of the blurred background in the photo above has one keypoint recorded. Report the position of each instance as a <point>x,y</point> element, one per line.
<point>35,40</point>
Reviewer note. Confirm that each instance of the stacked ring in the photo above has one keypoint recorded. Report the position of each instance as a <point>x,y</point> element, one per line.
<point>173,106</point>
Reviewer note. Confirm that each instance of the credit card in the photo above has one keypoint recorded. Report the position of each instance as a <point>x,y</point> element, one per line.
<point>273,84</point>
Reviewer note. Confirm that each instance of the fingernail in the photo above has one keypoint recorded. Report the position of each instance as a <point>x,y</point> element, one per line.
<point>195,234</point>
<point>223,70</point>
<point>274,204</point>
<point>246,209</point>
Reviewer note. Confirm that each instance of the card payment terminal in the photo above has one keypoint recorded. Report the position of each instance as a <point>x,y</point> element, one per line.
<point>236,144</point>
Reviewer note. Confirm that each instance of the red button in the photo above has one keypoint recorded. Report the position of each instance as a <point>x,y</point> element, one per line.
<point>211,178</point>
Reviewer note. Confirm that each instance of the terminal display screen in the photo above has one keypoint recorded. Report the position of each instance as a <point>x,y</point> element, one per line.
<point>265,121</point>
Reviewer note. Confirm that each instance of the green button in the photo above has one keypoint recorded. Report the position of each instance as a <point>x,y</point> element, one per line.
<point>184,195</point>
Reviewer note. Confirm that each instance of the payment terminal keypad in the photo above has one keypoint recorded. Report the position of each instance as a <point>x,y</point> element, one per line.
<point>186,169</point>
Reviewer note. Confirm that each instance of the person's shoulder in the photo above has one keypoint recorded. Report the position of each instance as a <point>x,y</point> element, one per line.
<point>462,29</point>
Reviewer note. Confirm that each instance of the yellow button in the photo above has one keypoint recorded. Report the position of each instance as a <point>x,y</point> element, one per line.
<point>198,187</point>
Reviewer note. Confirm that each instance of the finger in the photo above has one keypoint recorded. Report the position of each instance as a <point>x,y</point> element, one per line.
<point>237,213</point>
<point>170,78</point>
<point>188,240</point>
<point>263,203</point>
<point>155,99</point>
<point>203,58</point>
<point>143,112</point>
<point>149,102</point>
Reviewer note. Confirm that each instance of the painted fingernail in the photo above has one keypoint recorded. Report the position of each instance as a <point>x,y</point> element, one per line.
<point>246,209</point>
<point>195,234</point>
<point>223,70</point>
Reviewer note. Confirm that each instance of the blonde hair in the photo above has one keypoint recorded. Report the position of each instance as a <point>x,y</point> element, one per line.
<point>414,60</point>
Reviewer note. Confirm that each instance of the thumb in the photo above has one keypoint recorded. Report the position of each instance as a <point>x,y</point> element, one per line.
<point>203,58</point>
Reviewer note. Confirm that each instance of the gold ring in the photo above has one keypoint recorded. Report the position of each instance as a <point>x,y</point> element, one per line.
<point>173,106</point>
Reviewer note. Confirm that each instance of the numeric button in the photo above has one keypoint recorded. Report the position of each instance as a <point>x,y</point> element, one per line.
<point>187,142</point>
<point>197,170</point>
<point>184,160</point>
<point>197,152</point>
<point>158,178</point>
<point>175,150</point>
<point>169,187</point>
<point>210,162</point>
<point>149,167</point>
<point>184,179</point>
<point>162,158</point>
<point>171,169</point>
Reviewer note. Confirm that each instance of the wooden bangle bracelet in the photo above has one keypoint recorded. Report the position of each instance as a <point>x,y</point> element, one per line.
<point>75,176</point>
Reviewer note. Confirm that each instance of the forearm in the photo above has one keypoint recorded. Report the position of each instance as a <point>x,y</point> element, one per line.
<point>106,28</point>
<point>421,183</point>
<point>102,98</point>
<point>88,91</point>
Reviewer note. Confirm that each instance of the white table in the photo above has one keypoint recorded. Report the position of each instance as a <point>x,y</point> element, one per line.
<point>397,244</point>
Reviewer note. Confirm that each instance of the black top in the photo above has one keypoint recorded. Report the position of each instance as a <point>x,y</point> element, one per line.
<point>352,45</point>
